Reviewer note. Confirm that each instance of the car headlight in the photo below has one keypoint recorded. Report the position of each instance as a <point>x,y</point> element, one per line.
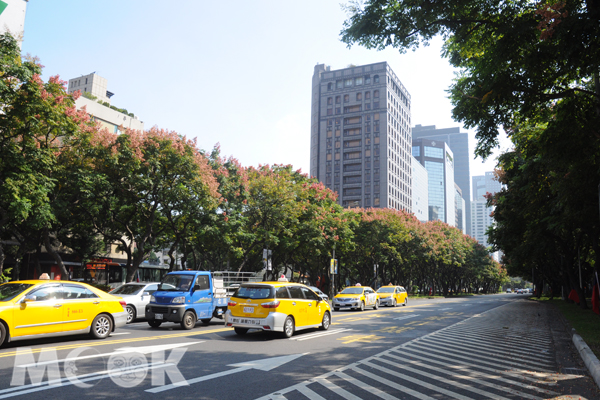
<point>178,300</point>
<point>152,299</point>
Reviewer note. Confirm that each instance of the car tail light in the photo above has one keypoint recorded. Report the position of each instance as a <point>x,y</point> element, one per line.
<point>123,303</point>
<point>271,304</point>
<point>231,304</point>
<point>266,327</point>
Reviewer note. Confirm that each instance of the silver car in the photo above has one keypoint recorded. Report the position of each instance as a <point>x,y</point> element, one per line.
<point>136,295</point>
<point>320,293</point>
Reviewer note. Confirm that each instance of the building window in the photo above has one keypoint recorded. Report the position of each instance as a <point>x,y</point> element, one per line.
<point>329,86</point>
<point>352,143</point>
<point>352,156</point>
<point>337,156</point>
<point>416,151</point>
<point>367,95</point>
<point>348,82</point>
<point>358,96</point>
<point>352,179</point>
<point>338,110</point>
<point>367,153</point>
<point>375,93</point>
<point>329,157</point>
<point>434,152</point>
<point>346,98</point>
<point>351,109</point>
<point>352,192</point>
<point>352,167</point>
<point>330,100</point>
<point>352,132</point>
<point>338,144</point>
<point>339,84</point>
<point>329,133</point>
<point>376,79</point>
<point>337,133</point>
<point>367,79</point>
<point>375,104</point>
<point>338,99</point>
<point>352,120</point>
<point>330,111</point>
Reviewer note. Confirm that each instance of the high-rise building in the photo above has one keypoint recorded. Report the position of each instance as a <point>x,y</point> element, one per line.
<point>459,207</point>
<point>360,135</point>
<point>481,218</point>
<point>420,197</point>
<point>438,160</point>
<point>12,18</point>
<point>459,144</point>
<point>96,99</point>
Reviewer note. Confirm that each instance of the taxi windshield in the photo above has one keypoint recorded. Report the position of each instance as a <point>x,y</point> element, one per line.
<point>9,291</point>
<point>255,292</point>
<point>352,290</point>
<point>386,290</point>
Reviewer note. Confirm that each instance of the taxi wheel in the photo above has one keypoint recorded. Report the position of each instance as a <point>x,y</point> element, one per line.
<point>101,326</point>
<point>362,306</point>
<point>288,327</point>
<point>326,321</point>
<point>154,323</point>
<point>240,331</point>
<point>130,313</point>
<point>376,306</point>
<point>394,303</point>
<point>405,302</point>
<point>2,333</point>
<point>188,321</point>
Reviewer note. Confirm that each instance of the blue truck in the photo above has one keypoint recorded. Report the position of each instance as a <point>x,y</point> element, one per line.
<point>185,297</point>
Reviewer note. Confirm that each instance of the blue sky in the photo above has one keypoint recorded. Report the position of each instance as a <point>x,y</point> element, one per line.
<point>236,73</point>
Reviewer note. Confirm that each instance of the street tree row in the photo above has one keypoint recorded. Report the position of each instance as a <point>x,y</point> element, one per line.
<point>68,186</point>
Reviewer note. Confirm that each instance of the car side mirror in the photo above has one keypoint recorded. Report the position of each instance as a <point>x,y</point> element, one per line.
<point>145,294</point>
<point>28,298</point>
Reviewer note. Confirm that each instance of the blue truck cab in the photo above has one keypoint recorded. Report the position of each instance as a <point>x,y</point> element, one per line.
<point>185,297</point>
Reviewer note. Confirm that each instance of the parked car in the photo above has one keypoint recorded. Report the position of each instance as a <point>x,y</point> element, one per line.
<point>392,296</point>
<point>356,298</point>
<point>276,306</point>
<point>320,293</point>
<point>137,295</point>
<point>519,291</point>
<point>40,308</point>
<point>509,290</point>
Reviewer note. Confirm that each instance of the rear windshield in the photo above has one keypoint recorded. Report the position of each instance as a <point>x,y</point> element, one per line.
<point>127,289</point>
<point>255,292</point>
<point>9,291</point>
<point>386,290</point>
<point>352,290</point>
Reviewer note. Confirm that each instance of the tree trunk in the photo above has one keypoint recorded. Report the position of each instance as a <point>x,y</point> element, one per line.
<point>50,249</point>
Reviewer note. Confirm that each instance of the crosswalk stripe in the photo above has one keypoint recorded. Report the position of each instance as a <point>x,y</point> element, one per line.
<point>456,375</point>
<point>497,373</point>
<point>309,393</point>
<point>336,389</point>
<point>364,386</point>
<point>494,335</point>
<point>416,381</point>
<point>487,332</point>
<point>493,361</point>
<point>394,385</point>
<point>481,348</point>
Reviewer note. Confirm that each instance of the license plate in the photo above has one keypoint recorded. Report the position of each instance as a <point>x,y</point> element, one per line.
<point>158,316</point>
<point>246,321</point>
<point>248,310</point>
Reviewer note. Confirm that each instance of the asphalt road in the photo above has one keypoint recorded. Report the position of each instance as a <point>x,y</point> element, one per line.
<point>479,347</point>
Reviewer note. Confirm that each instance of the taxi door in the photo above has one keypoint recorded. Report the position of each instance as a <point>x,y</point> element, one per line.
<point>315,312</point>
<point>80,307</point>
<point>370,297</point>
<point>299,306</point>
<point>43,313</point>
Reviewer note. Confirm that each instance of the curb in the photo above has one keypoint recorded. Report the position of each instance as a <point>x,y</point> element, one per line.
<point>589,358</point>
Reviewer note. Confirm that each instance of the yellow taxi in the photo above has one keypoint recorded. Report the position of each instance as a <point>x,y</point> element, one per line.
<point>276,306</point>
<point>392,296</point>
<point>356,298</point>
<point>42,308</point>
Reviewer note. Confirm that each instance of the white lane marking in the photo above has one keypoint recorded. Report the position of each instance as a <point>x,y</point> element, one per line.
<point>366,387</point>
<point>307,392</point>
<point>319,334</point>
<point>437,379</point>
<point>120,333</point>
<point>73,380</point>
<point>265,364</point>
<point>445,309</point>
<point>122,350</point>
<point>463,366</point>
<point>486,344</point>
<point>344,394</point>
<point>408,316</point>
<point>394,385</point>
<point>455,375</point>
<point>492,360</point>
